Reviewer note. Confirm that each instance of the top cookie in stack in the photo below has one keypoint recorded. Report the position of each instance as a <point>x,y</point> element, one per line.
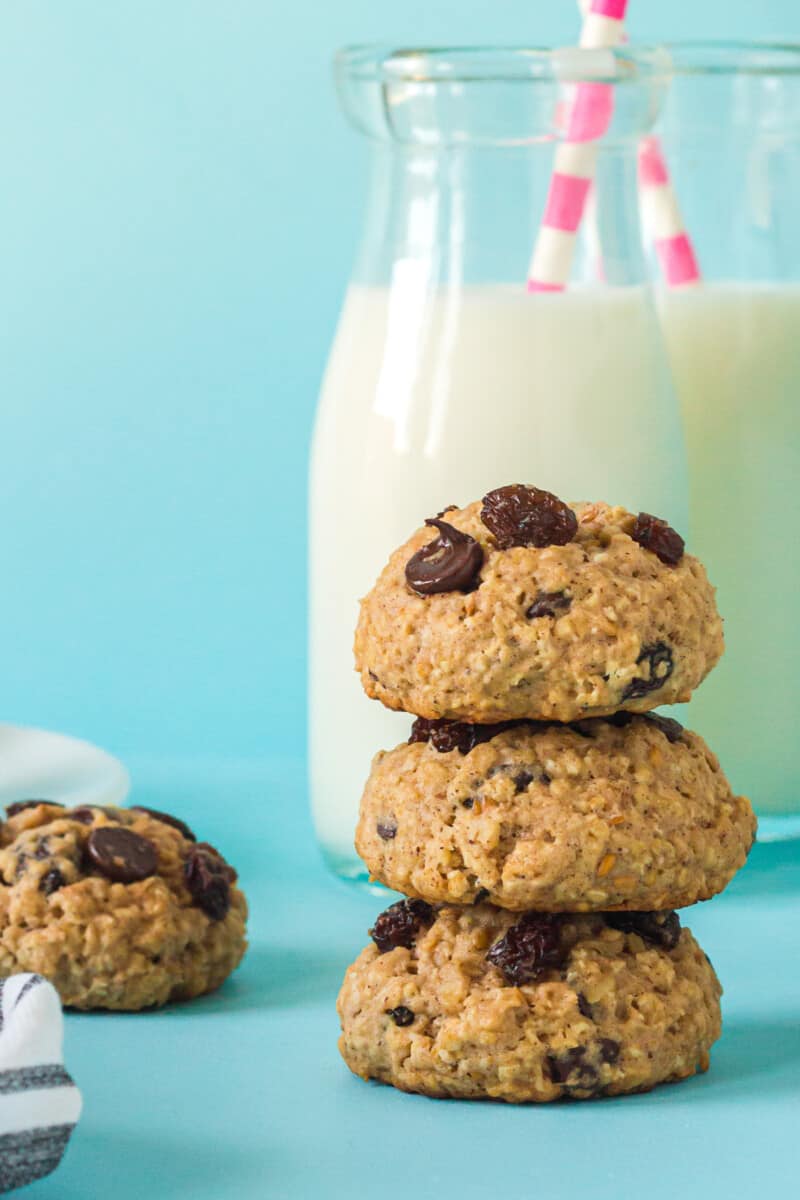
<point>521,606</point>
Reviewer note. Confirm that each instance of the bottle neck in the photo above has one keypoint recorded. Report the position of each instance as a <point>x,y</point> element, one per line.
<point>458,216</point>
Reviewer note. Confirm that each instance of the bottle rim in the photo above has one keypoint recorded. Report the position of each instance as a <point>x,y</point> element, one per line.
<point>631,63</point>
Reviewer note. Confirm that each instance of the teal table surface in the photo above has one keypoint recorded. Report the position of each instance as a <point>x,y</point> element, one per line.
<point>243,1094</point>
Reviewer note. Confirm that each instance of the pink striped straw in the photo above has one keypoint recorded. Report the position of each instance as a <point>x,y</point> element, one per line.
<point>576,157</point>
<point>662,217</point>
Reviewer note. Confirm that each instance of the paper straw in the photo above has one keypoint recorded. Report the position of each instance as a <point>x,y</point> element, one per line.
<point>662,219</point>
<point>576,157</point>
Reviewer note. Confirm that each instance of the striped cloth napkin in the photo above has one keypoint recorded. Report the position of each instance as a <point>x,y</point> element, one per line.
<point>39,1103</point>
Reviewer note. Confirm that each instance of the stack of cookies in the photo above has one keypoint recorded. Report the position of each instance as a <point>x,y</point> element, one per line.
<point>541,822</point>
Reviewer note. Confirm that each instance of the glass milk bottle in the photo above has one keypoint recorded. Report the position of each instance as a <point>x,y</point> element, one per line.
<point>447,378</point>
<point>731,139</point>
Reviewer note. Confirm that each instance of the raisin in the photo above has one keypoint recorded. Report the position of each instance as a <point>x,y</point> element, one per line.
<point>400,924</point>
<point>208,878</point>
<point>658,657</point>
<point>446,735</point>
<point>609,1050</point>
<point>671,729</point>
<point>51,881</point>
<point>468,803</point>
<point>522,781</point>
<point>166,819</point>
<point>548,604</point>
<point>42,849</point>
<point>387,830</point>
<point>449,563</point>
<point>83,815</point>
<point>528,947</point>
<point>401,1015</point>
<point>19,806</point>
<point>660,928</point>
<point>654,534</point>
<point>480,895</point>
<point>520,515</point>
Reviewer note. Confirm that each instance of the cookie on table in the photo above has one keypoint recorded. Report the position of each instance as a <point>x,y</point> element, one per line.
<point>523,606</point>
<point>482,1003</point>
<point>118,908</point>
<point>625,812</point>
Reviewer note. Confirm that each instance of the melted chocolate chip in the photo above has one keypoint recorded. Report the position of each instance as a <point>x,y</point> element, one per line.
<point>120,854</point>
<point>208,878</point>
<point>387,829</point>
<point>51,881</point>
<point>656,535</point>
<point>528,948</point>
<point>166,819</point>
<point>19,806</point>
<point>548,604</point>
<point>521,515</point>
<point>449,563</point>
<point>660,928</point>
<point>658,658</point>
<point>401,1015</point>
<point>400,924</point>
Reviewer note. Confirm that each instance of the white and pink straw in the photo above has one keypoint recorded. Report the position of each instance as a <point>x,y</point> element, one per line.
<point>576,157</point>
<point>588,118</point>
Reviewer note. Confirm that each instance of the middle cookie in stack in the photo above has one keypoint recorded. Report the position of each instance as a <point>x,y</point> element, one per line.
<point>532,637</point>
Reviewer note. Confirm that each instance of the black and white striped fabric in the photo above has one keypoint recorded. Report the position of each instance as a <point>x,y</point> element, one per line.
<point>39,1103</point>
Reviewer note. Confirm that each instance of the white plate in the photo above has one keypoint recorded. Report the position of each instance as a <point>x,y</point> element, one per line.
<point>37,765</point>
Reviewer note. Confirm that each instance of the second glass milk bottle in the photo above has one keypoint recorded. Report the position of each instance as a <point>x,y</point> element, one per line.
<point>448,379</point>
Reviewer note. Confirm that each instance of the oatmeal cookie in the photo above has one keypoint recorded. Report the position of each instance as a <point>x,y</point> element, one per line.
<point>629,812</point>
<point>522,606</point>
<point>118,908</point>
<point>481,1003</point>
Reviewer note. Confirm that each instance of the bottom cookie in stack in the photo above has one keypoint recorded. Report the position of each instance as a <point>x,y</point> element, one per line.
<point>479,1002</point>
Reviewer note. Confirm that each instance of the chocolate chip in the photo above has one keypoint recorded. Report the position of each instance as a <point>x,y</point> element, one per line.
<point>568,1063</point>
<point>480,895</point>
<point>584,1007</point>
<point>609,1050</point>
<point>120,854</point>
<point>19,806</point>
<point>660,928</point>
<point>51,881</point>
<point>166,819</point>
<point>447,508</point>
<point>449,563</point>
<point>522,781</point>
<point>656,535</point>
<point>400,924</point>
<point>387,829</point>
<point>548,604</point>
<point>208,878</point>
<point>528,948</point>
<point>658,658</point>
<point>84,815</point>
<point>671,729</point>
<point>401,1015</point>
<point>521,515</point>
<point>469,802</point>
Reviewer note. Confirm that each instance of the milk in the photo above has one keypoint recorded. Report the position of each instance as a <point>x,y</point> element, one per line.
<point>434,398</point>
<point>735,351</point>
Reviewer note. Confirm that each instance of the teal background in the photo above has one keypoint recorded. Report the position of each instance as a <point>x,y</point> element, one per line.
<point>179,205</point>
